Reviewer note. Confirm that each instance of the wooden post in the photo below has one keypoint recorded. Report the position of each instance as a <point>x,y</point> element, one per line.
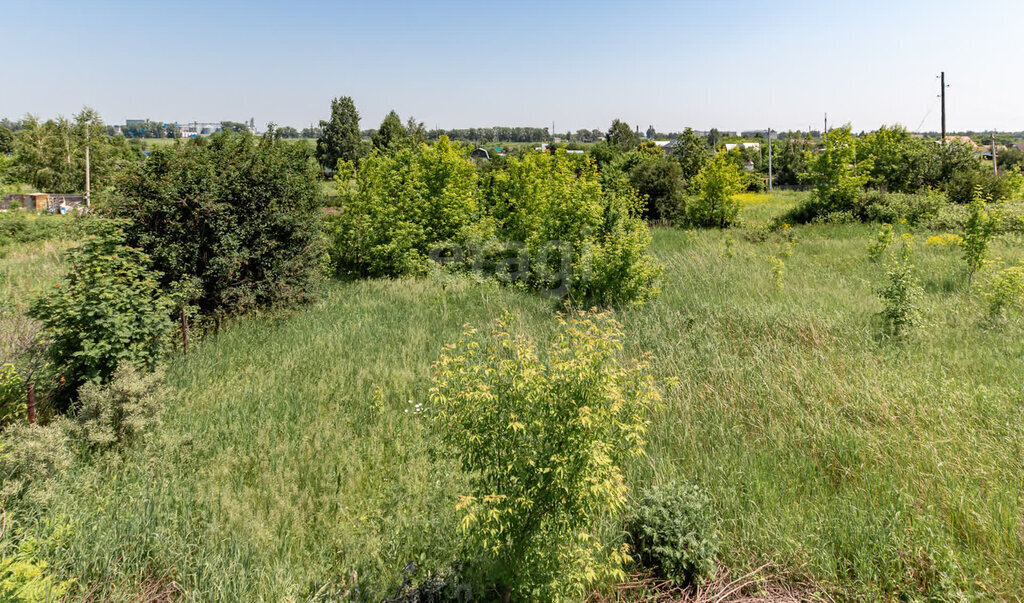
<point>184,331</point>
<point>31,387</point>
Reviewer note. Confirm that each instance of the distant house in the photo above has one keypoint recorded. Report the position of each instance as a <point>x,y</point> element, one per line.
<point>742,145</point>
<point>48,202</point>
<point>965,140</point>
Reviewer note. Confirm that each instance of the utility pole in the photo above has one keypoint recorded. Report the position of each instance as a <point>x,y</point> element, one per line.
<point>826,128</point>
<point>88,197</point>
<point>995,164</point>
<point>942,88</point>
<point>769,160</point>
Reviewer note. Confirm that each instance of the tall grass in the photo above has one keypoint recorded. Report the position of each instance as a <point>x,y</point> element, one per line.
<point>288,466</point>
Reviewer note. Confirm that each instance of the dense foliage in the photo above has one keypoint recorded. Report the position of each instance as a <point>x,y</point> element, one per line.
<point>542,221</point>
<point>673,531</point>
<point>234,219</point>
<point>109,310</point>
<point>716,185</point>
<point>407,203</point>
<point>51,155</point>
<point>543,438</point>
<point>339,137</point>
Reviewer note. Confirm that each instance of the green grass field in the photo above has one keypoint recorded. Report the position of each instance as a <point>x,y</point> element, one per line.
<point>855,466</point>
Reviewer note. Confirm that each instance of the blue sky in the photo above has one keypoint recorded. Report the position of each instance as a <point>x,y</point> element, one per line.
<point>727,63</point>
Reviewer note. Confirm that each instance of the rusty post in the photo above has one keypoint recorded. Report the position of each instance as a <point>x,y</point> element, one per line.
<point>184,331</point>
<point>31,402</point>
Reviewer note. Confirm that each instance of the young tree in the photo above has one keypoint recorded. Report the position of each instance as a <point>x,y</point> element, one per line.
<point>691,153</point>
<point>391,135</point>
<point>981,226</point>
<point>109,310</point>
<point>544,439</point>
<point>714,137</point>
<point>836,181</point>
<point>6,141</point>
<point>416,130</point>
<point>339,137</point>
<point>716,184</point>
<point>621,136</point>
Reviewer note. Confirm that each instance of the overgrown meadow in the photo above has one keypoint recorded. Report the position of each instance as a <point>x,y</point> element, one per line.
<point>297,458</point>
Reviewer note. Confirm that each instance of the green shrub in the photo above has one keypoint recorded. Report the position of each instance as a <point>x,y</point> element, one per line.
<point>108,310</point>
<point>902,293</point>
<point>836,181</point>
<point>978,231</point>
<point>542,439</point>
<point>30,457</point>
<point>881,244</point>
<point>876,206</point>
<point>1004,292</point>
<point>715,205</point>
<point>24,578</point>
<point>964,184</point>
<point>407,203</point>
<point>12,395</point>
<point>237,217</point>
<point>119,412</point>
<point>673,531</point>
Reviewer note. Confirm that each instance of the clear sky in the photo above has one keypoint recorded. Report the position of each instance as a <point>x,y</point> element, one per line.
<point>729,64</point>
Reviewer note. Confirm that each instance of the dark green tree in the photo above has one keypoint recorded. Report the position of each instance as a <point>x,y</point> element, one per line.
<point>391,135</point>
<point>339,137</point>
<point>621,136</point>
<point>234,218</point>
<point>650,133</point>
<point>6,140</point>
<point>691,153</point>
<point>416,130</point>
<point>714,137</point>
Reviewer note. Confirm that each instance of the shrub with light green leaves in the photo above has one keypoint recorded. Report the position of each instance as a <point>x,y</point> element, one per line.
<point>1004,292</point>
<point>121,411</point>
<point>30,456</point>
<point>901,295</point>
<point>981,226</point>
<point>12,395</point>
<point>543,437</point>
<point>715,205</point>
<point>108,310</point>
<point>24,578</point>
<point>673,531</point>
<point>407,202</point>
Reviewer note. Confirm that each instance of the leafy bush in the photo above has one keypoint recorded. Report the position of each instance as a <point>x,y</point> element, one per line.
<point>716,186</point>
<point>579,239</point>
<point>963,185</point>
<point>407,203</point>
<point>12,395</point>
<point>18,227</point>
<point>235,217</point>
<point>542,221</point>
<point>1004,291</point>
<point>876,206</point>
<point>543,439</point>
<point>981,226</point>
<point>24,578</point>
<point>673,531</point>
<point>121,411</point>
<point>836,182</point>
<point>108,310</point>
<point>31,456</point>
<point>881,244</point>
<point>902,292</point>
